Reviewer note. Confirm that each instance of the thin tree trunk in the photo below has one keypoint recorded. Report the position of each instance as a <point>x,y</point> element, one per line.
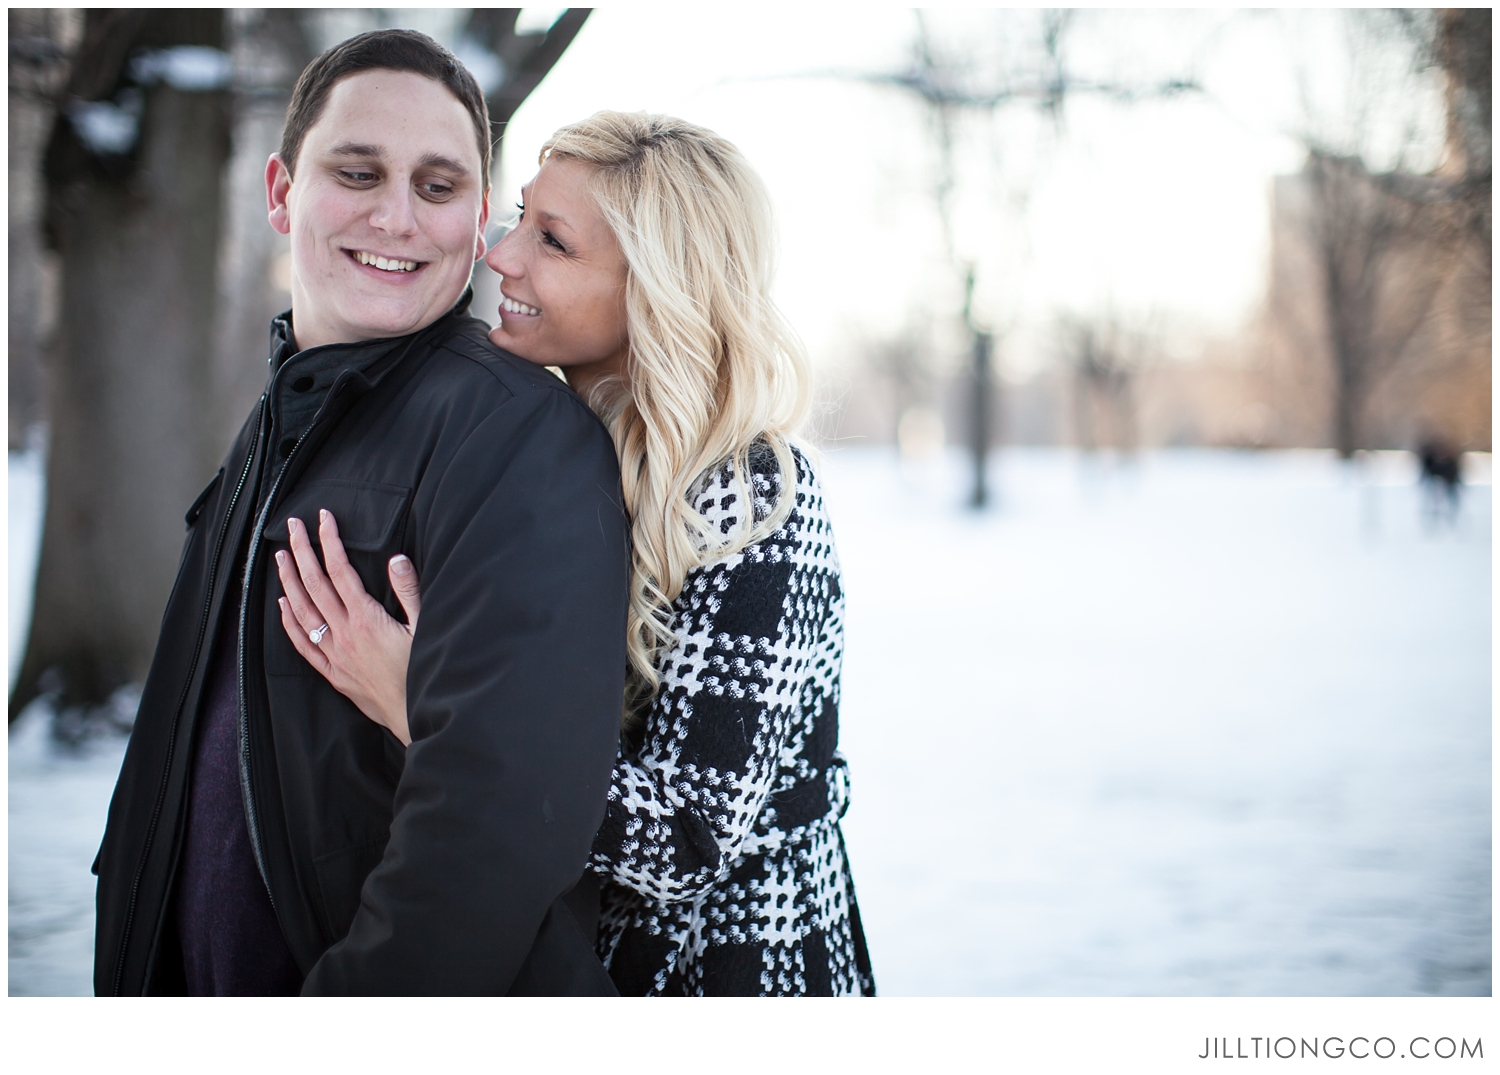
<point>138,240</point>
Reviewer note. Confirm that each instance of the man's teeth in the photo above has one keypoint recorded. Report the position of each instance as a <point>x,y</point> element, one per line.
<point>388,264</point>
<point>512,306</point>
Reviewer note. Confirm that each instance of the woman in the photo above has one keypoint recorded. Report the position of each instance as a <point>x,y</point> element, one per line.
<point>641,266</point>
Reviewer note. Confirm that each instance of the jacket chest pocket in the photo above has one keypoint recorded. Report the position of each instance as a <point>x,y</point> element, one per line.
<point>371,522</point>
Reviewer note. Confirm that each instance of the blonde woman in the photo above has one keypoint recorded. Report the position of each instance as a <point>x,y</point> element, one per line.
<point>642,267</point>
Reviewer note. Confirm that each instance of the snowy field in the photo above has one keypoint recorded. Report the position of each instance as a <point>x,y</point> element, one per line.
<point>1207,724</point>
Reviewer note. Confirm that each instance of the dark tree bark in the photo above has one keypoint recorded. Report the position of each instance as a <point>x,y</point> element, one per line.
<point>270,50</point>
<point>526,57</point>
<point>137,232</point>
<point>39,46</point>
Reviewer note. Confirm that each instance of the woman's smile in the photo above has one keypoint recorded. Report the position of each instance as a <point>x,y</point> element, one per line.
<point>511,306</point>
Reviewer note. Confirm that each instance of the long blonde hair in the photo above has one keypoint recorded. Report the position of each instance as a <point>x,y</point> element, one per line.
<point>714,369</point>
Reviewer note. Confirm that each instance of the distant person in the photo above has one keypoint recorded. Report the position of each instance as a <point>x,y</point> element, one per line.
<point>264,836</point>
<point>642,266</point>
<point>1441,483</point>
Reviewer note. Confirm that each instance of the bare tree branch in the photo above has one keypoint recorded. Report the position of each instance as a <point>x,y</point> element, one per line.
<point>527,57</point>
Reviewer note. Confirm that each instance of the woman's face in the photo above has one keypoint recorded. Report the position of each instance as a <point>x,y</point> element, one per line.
<point>563,293</point>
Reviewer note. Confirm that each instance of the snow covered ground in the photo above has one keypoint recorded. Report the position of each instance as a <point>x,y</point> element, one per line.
<point>1206,724</point>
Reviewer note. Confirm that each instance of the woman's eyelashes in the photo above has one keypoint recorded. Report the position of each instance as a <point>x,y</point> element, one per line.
<point>548,239</point>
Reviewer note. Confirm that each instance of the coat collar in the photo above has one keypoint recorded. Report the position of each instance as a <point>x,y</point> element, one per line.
<point>284,345</point>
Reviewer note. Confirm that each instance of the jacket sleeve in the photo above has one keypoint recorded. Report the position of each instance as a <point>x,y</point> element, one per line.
<point>514,690</point>
<point>684,805</point>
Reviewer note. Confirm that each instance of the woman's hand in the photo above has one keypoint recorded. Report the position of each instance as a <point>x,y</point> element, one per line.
<point>363,652</point>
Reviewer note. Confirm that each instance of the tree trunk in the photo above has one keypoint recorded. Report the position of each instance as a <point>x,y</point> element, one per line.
<point>270,49</point>
<point>980,419</point>
<point>39,44</point>
<point>1347,398</point>
<point>138,239</point>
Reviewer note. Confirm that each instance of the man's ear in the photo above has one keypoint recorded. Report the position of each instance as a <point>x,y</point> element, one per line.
<point>484,219</point>
<point>278,186</point>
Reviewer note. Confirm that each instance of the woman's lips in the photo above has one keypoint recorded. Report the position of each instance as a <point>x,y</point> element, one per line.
<point>509,305</point>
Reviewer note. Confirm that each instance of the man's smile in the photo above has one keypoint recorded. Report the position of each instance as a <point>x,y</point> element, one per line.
<point>385,264</point>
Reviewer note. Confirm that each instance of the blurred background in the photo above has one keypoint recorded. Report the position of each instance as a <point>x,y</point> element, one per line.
<point>1153,359</point>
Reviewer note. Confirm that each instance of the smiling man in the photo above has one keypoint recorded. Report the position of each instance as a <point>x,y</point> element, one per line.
<point>264,836</point>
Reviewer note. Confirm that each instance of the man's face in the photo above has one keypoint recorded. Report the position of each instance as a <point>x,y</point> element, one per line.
<point>386,213</point>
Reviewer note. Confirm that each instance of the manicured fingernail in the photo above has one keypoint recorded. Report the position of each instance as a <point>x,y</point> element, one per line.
<point>281,603</point>
<point>323,515</point>
<point>400,565</point>
<point>293,522</point>
<point>280,558</point>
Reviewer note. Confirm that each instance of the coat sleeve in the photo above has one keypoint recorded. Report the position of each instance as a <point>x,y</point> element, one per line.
<point>684,805</point>
<point>514,690</point>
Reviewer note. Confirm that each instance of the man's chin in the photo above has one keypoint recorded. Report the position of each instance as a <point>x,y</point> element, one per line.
<point>385,322</point>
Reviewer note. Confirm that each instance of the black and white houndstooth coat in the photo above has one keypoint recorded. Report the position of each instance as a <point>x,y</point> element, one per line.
<point>722,865</point>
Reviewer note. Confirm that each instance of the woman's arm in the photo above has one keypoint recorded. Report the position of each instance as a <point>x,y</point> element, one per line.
<point>362,652</point>
<point>749,630</point>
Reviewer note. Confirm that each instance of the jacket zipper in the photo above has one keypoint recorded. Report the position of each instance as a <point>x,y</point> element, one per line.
<point>247,793</point>
<point>161,792</point>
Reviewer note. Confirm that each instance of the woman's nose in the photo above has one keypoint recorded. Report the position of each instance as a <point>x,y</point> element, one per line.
<point>502,257</point>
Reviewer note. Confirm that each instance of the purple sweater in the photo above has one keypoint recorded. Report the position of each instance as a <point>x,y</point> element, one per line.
<point>231,944</point>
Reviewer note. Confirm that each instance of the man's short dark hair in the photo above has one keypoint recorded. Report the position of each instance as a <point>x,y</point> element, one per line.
<point>389,50</point>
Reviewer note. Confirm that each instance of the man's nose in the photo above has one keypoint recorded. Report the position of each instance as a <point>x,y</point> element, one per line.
<point>394,212</point>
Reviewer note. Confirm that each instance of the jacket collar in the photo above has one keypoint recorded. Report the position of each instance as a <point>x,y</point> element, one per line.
<point>362,353</point>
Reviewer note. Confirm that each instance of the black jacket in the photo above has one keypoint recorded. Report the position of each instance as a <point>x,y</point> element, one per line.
<point>446,867</point>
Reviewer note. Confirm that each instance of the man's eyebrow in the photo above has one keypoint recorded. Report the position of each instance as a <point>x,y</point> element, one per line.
<point>448,164</point>
<point>357,149</point>
<point>431,160</point>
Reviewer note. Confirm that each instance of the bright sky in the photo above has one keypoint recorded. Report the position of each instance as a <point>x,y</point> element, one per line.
<point>1154,209</point>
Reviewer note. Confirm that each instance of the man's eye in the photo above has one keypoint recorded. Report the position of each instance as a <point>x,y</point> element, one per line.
<point>437,190</point>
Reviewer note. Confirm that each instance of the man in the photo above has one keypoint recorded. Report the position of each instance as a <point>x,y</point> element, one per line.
<point>264,836</point>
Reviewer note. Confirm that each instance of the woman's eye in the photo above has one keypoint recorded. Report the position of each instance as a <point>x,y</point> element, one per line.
<point>548,238</point>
